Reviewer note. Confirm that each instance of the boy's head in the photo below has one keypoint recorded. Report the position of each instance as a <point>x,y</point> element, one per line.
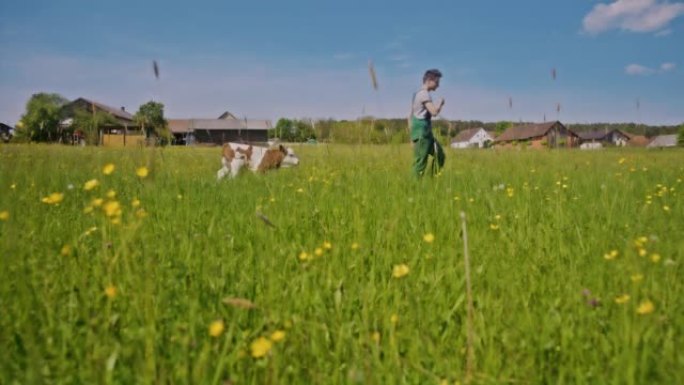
<point>431,79</point>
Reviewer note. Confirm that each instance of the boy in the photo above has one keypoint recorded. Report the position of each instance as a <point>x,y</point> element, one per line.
<point>422,111</point>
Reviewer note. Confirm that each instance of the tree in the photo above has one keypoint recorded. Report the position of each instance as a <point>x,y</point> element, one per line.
<point>89,123</point>
<point>680,137</point>
<point>150,116</point>
<point>502,126</point>
<point>40,122</point>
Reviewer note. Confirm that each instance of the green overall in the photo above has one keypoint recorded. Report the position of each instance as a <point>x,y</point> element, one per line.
<point>424,144</point>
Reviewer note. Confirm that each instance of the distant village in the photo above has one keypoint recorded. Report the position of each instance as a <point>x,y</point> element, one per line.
<point>121,128</point>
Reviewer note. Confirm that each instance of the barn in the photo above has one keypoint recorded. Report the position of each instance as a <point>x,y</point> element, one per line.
<point>539,135</point>
<point>472,138</point>
<point>613,137</point>
<point>218,131</point>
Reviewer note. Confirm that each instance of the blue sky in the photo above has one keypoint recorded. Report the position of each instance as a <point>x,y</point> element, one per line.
<point>306,58</point>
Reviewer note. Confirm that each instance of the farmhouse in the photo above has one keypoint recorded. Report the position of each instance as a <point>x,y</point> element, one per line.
<point>227,128</point>
<point>613,137</point>
<point>551,134</point>
<point>6,132</point>
<point>663,141</point>
<point>123,120</point>
<point>472,138</point>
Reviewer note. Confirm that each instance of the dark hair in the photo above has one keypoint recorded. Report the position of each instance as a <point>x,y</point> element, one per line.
<point>433,74</point>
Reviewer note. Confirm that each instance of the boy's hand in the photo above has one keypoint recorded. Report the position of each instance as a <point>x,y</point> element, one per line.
<point>441,102</point>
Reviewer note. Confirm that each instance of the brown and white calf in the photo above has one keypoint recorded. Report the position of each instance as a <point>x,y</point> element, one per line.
<point>258,159</point>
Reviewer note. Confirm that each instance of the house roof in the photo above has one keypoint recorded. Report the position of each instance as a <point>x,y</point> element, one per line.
<point>227,115</point>
<point>466,135</point>
<point>188,125</point>
<point>638,140</point>
<point>117,112</point>
<point>593,135</point>
<point>664,141</point>
<point>527,131</point>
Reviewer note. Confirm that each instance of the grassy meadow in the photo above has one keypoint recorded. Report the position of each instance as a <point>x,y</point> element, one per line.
<point>123,266</point>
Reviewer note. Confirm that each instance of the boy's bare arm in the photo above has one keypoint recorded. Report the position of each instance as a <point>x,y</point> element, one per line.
<point>434,110</point>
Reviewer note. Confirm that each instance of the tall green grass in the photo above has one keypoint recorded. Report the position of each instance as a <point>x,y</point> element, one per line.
<point>540,223</point>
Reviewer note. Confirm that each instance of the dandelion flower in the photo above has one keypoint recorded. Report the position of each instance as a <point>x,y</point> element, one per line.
<point>637,278</point>
<point>108,169</point>
<point>622,160</point>
<point>493,226</point>
<point>655,257</point>
<point>645,307</point>
<point>300,190</point>
<point>142,172</point>
<point>4,215</point>
<point>53,199</point>
<point>666,208</point>
<point>375,337</point>
<point>110,291</point>
<point>642,252</point>
<point>429,238</point>
<point>355,246</point>
<point>399,271</point>
<point>112,209</point>
<point>97,202</point>
<point>260,347</point>
<point>277,336</point>
<point>304,256</point>
<point>91,184</point>
<point>318,252</point>
<point>622,299</point>
<point>611,255</point>
<point>141,213</point>
<point>327,245</point>
<point>135,203</point>
<point>13,186</point>
<point>65,251</point>
<point>216,328</point>
<point>394,318</point>
<point>111,194</point>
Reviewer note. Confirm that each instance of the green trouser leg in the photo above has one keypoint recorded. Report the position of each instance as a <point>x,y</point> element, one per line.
<point>422,149</point>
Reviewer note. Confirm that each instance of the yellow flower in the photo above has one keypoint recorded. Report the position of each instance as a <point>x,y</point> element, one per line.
<point>4,215</point>
<point>91,184</point>
<point>666,208</point>
<point>429,238</point>
<point>622,160</point>
<point>277,336</point>
<point>108,169</point>
<point>97,202</point>
<point>141,213</point>
<point>493,226</point>
<point>399,271</point>
<point>304,256</point>
<point>318,251</point>
<point>655,257</point>
<point>640,242</point>
<point>216,328</point>
<point>110,291</point>
<point>509,192</point>
<point>53,198</point>
<point>394,318</point>
<point>300,190</point>
<point>355,246</point>
<point>637,278</point>
<point>327,245</point>
<point>112,209</point>
<point>142,172</point>
<point>622,299</point>
<point>497,217</point>
<point>610,256</point>
<point>260,347</point>
<point>66,251</point>
<point>645,307</point>
<point>375,337</point>
<point>642,252</point>
<point>111,194</point>
<point>13,186</point>
<point>135,203</point>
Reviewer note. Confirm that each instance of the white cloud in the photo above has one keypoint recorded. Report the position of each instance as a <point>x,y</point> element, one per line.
<point>667,67</point>
<point>638,69</point>
<point>632,15</point>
